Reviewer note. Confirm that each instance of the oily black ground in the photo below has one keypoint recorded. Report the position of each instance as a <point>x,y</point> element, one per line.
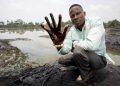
<point>52,75</point>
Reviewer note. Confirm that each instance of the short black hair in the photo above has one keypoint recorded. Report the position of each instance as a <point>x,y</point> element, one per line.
<point>76,5</point>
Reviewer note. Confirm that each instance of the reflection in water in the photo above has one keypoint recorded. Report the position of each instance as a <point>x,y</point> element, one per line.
<point>39,48</point>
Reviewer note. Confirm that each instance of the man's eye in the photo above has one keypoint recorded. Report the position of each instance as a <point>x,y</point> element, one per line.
<point>72,16</point>
<point>78,13</point>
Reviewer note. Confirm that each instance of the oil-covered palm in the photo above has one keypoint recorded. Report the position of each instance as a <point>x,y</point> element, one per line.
<point>54,31</point>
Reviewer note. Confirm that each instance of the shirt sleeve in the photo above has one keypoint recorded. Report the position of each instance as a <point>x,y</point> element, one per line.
<point>67,44</point>
<point>94,37</point>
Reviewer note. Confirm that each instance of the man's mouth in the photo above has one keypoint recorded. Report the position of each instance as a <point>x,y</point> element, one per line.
<point>77,22</point>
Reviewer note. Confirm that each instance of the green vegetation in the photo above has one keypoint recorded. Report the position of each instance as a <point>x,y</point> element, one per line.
<point>19,24</point>
<point>112,24</point>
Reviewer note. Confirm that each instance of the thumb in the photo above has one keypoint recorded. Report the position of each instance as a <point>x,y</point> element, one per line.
<point>65,29</point>
<point>44,27</point>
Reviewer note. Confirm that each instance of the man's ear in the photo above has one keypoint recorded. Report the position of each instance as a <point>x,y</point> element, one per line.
<point>84,13</point>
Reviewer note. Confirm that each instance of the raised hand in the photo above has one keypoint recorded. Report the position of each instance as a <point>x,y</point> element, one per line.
<point>55,31</point>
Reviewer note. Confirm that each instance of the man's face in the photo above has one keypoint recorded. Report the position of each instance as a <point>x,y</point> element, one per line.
<point>77,16</point>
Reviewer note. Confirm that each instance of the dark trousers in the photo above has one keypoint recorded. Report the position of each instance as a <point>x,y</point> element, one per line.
<point>84,60</point>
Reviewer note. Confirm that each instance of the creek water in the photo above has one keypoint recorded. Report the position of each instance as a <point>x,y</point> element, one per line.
<point>38,46</point>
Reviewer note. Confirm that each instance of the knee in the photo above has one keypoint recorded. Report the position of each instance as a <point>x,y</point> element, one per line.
<point>60,60</point>
<point>66,59</point>
<point>78,49</point>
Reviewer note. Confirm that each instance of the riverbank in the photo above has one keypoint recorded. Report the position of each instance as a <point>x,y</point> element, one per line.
<point>12,60</point>
<point>113,39</point>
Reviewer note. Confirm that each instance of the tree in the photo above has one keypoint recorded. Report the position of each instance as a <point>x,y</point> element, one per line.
<point>112,24</point>
<point>1,24</point>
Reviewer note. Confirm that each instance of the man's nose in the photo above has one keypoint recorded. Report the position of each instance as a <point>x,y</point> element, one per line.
<point>76,17</point>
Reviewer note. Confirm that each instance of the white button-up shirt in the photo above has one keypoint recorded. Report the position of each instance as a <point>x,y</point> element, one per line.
<point>92,37</point>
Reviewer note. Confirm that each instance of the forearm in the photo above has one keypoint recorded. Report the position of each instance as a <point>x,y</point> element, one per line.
<point>87,45</point>
<point>91,42</point>
<point>64,48</point>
